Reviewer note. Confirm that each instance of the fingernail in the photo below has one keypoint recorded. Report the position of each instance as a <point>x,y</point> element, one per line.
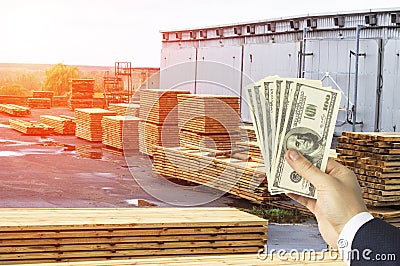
<point>294,155</point>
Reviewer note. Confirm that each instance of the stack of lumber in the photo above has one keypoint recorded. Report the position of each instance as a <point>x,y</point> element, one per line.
<point>31,128</point>
<point>39,103</point>
<point>212,141</point>
<point>57,235</point>
<point>82,92</point>
<point>253,149</point>
<point>227,173</point>
<point>152,135</point>
<point>203,113</point>
<point>63,125</point>
<point>299,259</point>
<point>390,215</point>
<point>60,101</point>
<point>159,114</point>
<point>44,94</point>
<point>156,105</point>
<point>247,133</point>
<point>375,158</point>
<point>208,121</point>
<point>127,109</point>
<point>15,110</point>
<point>121,132</point>
<point>88,123</point>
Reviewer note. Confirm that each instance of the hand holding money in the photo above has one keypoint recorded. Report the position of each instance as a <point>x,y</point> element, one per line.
<point>292,114</point>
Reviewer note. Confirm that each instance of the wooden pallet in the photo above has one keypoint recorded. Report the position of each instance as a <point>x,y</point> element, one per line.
<point>121,132</point>
<point>152,135</point>
<point>205,113</point>
<point>241,178</point>
<point>88,123</point>
<point>51,235</point>
<point>125,109</point>
<point>63,125</point>
<point>31,128</point>
<point>156,105</point>
<point>375,158</point>
<point>301,259</point>
<point>15,110</point>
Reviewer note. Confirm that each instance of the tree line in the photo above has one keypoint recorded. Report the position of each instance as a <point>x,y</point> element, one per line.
<point>23,82</point>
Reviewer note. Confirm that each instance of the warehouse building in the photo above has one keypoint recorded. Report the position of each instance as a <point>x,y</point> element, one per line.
<point>356,52</point>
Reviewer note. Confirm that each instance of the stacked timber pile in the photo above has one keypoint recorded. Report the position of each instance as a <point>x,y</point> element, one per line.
<point>88,123</point>
<point>159,114</point>
<point>43,95</point>
<point>390,215</point>
<point>375,158</point>
<point>31,128</point>
<point>125,109</point>
<point>63,125</point>
<point>208,121</point>
<point>225,172</point>
<point>60,101</point>
<point>82,92</point>
<point>121,132</point>
<point>39,103</point>
<point>249,140</point>
<point>15,110</point>
<point>57,235</point>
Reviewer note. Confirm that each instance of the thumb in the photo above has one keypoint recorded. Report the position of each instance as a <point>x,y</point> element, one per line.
<point>305,168</point>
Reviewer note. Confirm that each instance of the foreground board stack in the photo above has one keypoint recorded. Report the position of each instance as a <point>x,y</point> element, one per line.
<point>233,174</point>
<point>15,110</point>
<point>31,128</point>
<point>125,109</point>
<point>375,158</point>
<point>300,259</point>
<point>82,92</point>
<point>121,132</point>
<point>159,114</point>
<point>51,235</point>
<point>88,123</point>
<point>208,121</point>
<point>39,103</point>
<point>63,125</point>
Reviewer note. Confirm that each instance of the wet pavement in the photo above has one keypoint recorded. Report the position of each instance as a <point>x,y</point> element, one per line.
<point>68,172</point>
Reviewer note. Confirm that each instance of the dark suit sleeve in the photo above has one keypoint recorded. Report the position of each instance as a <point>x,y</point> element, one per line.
<point>377,243</point>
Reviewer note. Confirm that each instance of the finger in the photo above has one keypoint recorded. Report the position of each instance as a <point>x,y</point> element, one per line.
<point>333,167</point>
<point>305,168</point>
<point>305,201</point>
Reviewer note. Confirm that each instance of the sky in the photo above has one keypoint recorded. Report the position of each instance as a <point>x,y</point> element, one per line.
<point>101,32</point>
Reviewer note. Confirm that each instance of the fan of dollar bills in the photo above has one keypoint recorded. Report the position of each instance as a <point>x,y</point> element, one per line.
<point>290,113</point>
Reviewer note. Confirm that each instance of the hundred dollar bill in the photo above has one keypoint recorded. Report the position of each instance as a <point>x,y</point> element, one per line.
<point>309,122</point>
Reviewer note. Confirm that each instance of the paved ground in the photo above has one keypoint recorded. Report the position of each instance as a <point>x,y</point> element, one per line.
<point>64,171</point>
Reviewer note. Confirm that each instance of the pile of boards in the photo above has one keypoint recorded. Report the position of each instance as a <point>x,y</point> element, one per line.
<point>208,121</point>
<point>31,128</point>
<point>159,114</point>
<point>228,173</point>
<point>120,132</point>
<point>375,158</point>
<point>390,215</point>
<point>56,235</point>
<point>248,140</point>
<point>15,110</point>
<point>88,123</point>
<point>125,109</point>
<point>39,103</point>
<point>82,92</point>
<point>63,125</point>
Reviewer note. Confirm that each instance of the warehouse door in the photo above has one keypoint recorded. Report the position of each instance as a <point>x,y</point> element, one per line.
<point>178,68</point>
<point>333,60</point>
<point>390,104</point>
<point>268,59</point>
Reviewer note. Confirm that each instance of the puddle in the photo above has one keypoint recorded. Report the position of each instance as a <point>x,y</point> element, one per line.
<point>4,126</point>
<point>140,203</point>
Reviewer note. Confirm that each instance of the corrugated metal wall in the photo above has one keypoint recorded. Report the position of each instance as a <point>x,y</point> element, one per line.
<point>224,59</point>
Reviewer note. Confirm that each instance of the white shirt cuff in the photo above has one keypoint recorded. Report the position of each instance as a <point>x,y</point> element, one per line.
<point>348,233</point>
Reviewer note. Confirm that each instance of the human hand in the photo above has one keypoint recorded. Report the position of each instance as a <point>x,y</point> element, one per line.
<point>339,196</point>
